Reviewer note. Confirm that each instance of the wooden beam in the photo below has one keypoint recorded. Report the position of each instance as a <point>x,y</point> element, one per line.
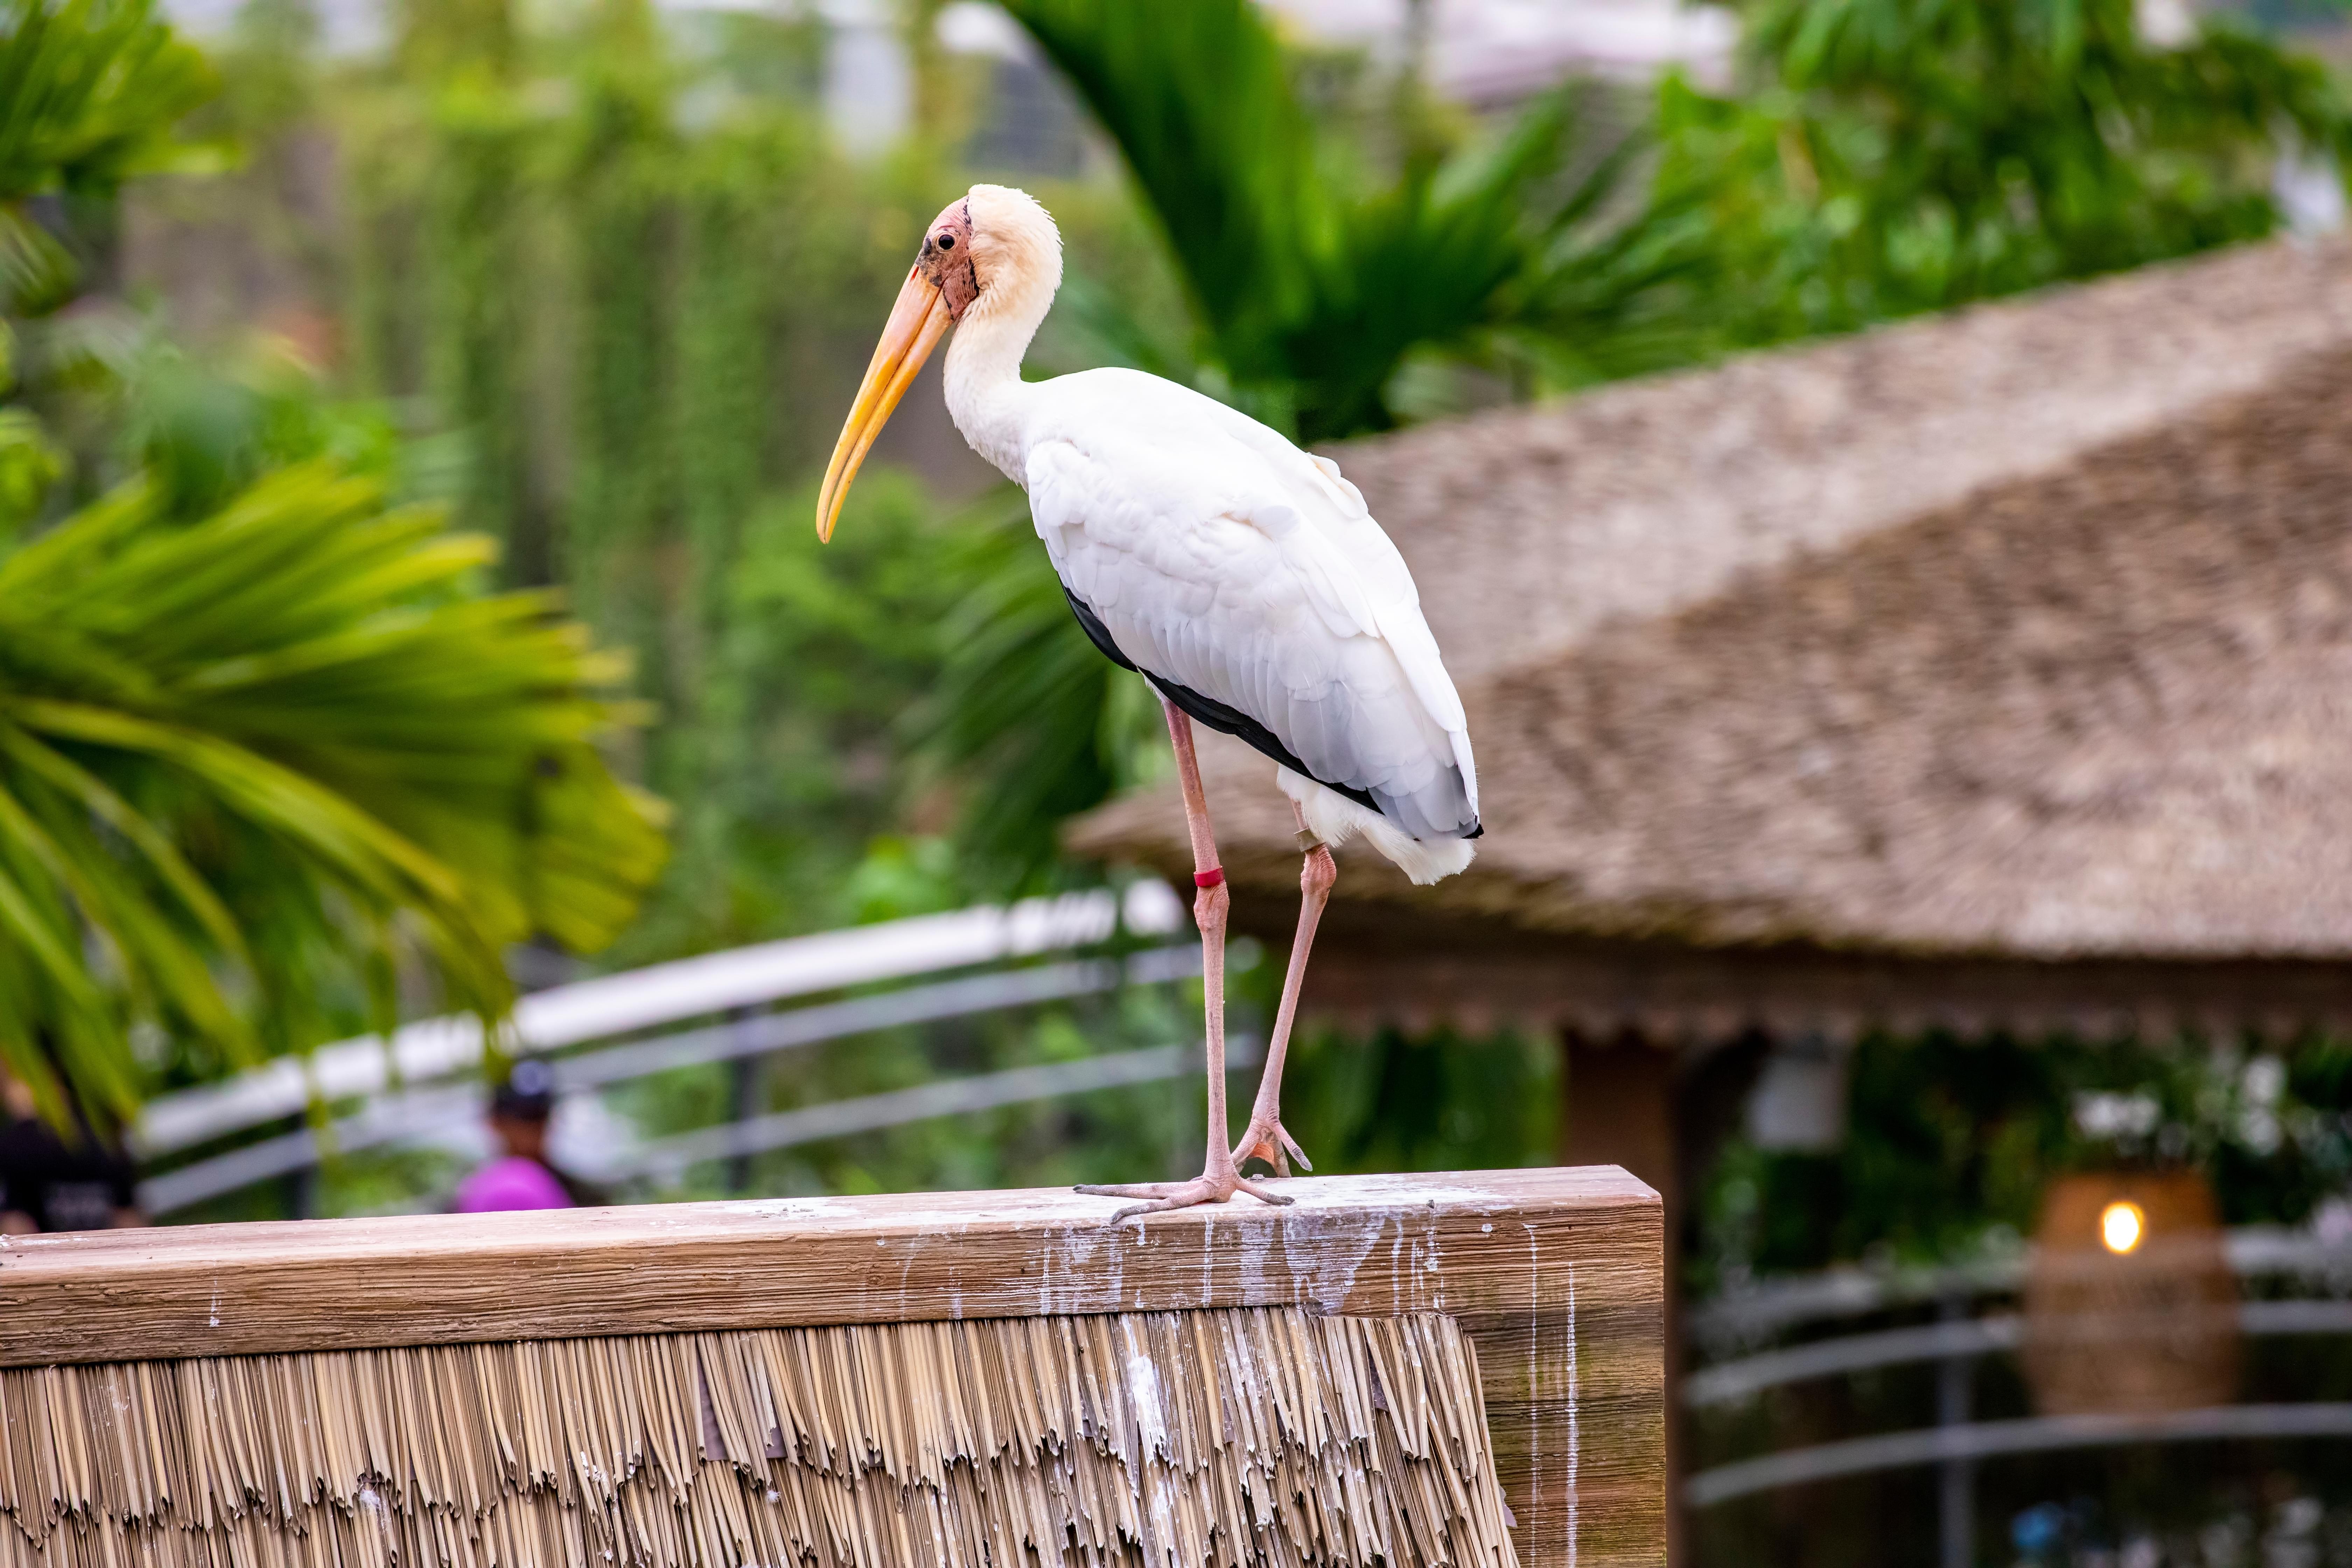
<point>1555,1274</point>
<point>1618,1107</point>
<point>1378,963</point>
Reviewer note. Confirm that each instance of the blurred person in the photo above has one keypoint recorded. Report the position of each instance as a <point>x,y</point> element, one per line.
<point>51,1181</point>
<point>523,1177</point>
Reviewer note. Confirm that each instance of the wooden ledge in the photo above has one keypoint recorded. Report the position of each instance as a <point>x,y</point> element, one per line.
<point>1554,1275</point>
<point>1473,1242</point>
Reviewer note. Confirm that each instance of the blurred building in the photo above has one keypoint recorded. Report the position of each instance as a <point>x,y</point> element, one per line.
<point>1986,671</point>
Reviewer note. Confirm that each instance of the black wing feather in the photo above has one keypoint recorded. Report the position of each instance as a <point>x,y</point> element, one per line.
<point>1208,709</point>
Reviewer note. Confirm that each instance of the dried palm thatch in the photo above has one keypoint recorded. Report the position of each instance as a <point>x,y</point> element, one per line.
<point>1223,1436</point>
<point>2023,635</point>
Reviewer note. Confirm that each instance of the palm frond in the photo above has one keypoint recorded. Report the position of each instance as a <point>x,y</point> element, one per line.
<point>1196,93</point>
<point>258,757</point>
<point>1312,288</point>
<point>90,94</point>
<point>1034,723</point>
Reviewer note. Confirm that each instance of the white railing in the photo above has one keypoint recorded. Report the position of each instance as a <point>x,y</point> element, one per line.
<point>418,1083</point>
<point>1733,1326</point>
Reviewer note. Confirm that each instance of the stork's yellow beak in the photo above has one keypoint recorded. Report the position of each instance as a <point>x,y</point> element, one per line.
<point>918,322</point>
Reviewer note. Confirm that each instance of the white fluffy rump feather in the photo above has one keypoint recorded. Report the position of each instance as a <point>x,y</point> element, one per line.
<point>1334,818</point>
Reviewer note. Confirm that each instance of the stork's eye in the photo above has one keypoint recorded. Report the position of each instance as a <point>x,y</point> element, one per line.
<point>946,242</point>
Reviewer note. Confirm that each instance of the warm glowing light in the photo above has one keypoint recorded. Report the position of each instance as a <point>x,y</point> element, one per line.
<point>2122,1225</point>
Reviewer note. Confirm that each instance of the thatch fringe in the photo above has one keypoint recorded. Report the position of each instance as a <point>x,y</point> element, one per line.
<point>1228,1437</point>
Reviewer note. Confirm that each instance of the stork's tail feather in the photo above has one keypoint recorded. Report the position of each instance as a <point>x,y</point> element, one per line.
<point>1334,818</point>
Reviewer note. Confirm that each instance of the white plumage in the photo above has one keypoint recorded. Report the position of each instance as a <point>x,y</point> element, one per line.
<point>1223,560</point>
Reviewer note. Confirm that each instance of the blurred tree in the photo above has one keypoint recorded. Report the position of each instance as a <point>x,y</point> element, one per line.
<point>1440,1102</point>
<point>94,90</point>
<point>1887,157</point>
<point>264,741</point>
<point>817,653</point>
<point>642,269</point>
<point>1025,715</point>
<point>1311,275</point>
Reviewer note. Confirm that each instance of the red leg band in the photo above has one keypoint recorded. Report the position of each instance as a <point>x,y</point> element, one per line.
<point>1210,877</point>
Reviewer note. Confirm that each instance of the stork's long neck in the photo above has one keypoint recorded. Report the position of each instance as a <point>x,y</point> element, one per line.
<point>986,396</point>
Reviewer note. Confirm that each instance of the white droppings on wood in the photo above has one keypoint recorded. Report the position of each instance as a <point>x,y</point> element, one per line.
<point>1143,1393</point>
<point>1575,1438</point>
<point>1535,1362</point>
<point>1325,1251</point>
<point>782,1208</point>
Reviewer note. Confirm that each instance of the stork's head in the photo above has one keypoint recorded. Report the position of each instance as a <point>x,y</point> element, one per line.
<point>992,256</point>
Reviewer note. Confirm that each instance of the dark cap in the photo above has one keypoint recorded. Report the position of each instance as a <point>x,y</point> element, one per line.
<point>528,1094</point>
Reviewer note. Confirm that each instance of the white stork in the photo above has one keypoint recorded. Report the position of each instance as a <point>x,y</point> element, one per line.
<point>1242,578</point>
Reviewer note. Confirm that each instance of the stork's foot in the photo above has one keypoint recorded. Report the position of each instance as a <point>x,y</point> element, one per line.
<point>1208,1187</point>
<point>1269,1140</point>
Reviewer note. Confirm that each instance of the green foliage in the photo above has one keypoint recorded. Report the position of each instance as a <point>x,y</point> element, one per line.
<point>1894,156</point>
<point>29,465</point>
<point>94,89</point>
<point>1443,1102</point>
<point>200,431</point>
<point>442,40</point>
<point>1881,158</point>
<point>272,752</point>
<point>91,94</point>
<point>618,193</point>
<point>473,211</point>
<point>1026,712</point>
<point>819,652</point>
<point>1312,280</point>
<point>646,281</point>
<point>267,750</point>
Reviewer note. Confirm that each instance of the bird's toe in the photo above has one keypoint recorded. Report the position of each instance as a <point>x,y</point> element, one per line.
<point>1272,1143</point>
<point>1157,1197</point>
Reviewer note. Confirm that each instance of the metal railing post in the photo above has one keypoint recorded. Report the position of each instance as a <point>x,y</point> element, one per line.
<point>743,1096</point>
<point>1955,1477</point>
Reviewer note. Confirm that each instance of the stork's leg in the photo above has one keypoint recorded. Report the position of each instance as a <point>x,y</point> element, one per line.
<point>1219,1178</point>
<point>1265,1138</point>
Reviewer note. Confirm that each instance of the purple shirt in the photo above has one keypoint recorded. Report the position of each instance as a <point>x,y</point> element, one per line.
<point>513,1183</point>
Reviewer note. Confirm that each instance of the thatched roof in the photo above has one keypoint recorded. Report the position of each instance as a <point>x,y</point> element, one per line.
<point>2024,633</point>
